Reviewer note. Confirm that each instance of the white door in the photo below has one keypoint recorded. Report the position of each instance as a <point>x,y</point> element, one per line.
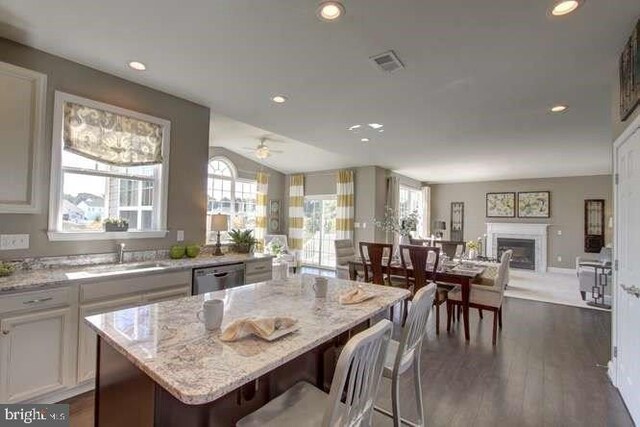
<point>319,231</point>
<point>37,353</point>
<point>627,302</point>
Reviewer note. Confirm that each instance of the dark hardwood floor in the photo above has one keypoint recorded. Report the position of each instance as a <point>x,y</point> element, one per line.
<point>547,369</point>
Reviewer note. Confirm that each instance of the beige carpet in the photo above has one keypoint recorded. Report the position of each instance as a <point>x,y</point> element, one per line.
<point>556,288</point>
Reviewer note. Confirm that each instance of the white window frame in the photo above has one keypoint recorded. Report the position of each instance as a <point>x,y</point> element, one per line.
<point>233,179</point>
<point>160,198</point>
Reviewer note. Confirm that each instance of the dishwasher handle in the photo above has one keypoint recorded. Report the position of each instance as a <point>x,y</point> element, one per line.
<point>226,273</point>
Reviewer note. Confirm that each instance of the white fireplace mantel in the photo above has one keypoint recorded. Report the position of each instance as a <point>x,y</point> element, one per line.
<point>519,230</point>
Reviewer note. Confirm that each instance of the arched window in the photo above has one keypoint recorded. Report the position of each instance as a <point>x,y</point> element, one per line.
<point>230,195</point>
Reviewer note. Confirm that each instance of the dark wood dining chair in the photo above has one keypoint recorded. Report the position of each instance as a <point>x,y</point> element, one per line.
<point>376,267</point>
<point>423,262</point>
<point>419,242</point>
<point>450,247</point>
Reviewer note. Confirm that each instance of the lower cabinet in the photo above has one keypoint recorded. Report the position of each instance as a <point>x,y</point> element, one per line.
<point>87,338</point>
<point>37,353</point>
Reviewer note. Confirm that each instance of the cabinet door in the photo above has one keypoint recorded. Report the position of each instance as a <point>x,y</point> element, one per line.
<point>167,294</point>
<point>38,353</point>
<point>87,338</point>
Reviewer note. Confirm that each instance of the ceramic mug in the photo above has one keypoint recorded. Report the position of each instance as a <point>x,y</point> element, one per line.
<point>211,314</point>
<point>320,287</point>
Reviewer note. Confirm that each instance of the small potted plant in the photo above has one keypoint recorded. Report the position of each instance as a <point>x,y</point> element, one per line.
<point>116,225</point>
<point>472,247</point>
<point>243,241</point>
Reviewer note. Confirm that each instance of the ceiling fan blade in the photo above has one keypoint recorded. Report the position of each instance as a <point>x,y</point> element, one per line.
<point>276,151</point>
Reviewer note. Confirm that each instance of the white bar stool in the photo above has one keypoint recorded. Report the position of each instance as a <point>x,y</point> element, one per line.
<point>357,377</point>
<point>401,355</point>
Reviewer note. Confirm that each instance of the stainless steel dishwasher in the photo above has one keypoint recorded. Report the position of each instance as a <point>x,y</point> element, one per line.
<point>209,279</point>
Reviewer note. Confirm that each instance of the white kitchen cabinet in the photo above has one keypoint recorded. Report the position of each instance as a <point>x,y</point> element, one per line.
<point>37,353</point>
<point>167,294</point>
<point>22,113</point>
<point>87,338</point>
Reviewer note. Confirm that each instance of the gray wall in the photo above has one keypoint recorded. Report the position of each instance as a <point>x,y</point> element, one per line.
<point>189,145</point>
<point>248,168</point>
<point>567,209</point>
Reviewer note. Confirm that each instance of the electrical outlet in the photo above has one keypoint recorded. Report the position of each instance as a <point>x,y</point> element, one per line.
<point>180,236</point>
<point>364,225</point>
<point>559,258</point>
<point>559,232</point>
<point>12,242</point>
<point>356,225</point>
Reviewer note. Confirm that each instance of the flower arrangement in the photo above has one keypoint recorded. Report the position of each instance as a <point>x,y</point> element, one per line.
<point>116,224</point>
<point>473,245</point>
<point>392,223</point>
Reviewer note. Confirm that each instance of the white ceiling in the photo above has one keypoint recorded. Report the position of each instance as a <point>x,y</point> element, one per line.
<point>471,103</point>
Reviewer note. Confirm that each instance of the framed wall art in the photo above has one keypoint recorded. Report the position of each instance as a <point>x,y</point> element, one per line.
<point>274,216</point>
<point>534,204</point>
<point>457,221</point>
<point>501,205</point>
<point>630,75</point>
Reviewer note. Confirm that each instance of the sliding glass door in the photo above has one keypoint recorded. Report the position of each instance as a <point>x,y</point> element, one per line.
<point>319,231</point>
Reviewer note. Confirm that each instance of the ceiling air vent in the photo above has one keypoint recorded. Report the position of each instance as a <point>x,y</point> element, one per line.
<point>387,62</point>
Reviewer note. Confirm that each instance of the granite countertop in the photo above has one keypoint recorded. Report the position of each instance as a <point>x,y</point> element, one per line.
<point>169,343</point>
<point>41,278</point>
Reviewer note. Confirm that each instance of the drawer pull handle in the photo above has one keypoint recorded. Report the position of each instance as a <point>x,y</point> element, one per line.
<point>37,300</point>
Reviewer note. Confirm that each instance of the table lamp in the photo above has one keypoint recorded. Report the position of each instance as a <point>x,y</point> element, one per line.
<point>218,223</point>
<point>440,226</point>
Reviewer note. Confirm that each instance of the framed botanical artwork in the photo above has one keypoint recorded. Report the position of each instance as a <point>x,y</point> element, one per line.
<point>274,216</point>
<point>501,205</point>
<point>629,70</point>
<point>534,204</point>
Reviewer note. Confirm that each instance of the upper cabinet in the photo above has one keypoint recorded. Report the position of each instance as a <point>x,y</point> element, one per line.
<point>22,115</point>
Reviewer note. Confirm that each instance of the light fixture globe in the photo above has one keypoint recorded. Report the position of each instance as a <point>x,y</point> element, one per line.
<point>330,10</point>
<point>565,7</point>
<point>262,152</point>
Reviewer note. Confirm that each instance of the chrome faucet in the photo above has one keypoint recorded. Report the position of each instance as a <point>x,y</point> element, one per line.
<point>120,258</point>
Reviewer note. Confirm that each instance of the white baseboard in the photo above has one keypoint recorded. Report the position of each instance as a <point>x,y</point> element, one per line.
<point>59,396</point>
<point>561,270</point>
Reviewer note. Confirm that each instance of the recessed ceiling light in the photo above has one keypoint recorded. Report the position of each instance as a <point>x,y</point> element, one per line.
<point>375,125</point>
<point>137,65</point>
<point>354,128</point>
<point>559,108</point>
<point>365,139</point>
<point>565,7</point>
<point>279,99</point>
<point>330,10</point>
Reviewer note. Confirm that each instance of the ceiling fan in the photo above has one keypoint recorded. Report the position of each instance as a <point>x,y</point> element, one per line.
<point>262,151</point>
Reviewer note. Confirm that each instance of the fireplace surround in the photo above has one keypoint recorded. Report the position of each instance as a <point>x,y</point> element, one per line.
<point>519,230</point>
<point>524,252</point>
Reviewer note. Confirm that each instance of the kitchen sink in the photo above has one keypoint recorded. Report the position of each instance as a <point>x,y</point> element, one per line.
<point>117,269</point>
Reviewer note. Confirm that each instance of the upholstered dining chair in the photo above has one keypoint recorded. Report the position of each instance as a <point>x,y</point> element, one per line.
<point>483,297</point>
<point>427,258</point>
<point>345,252</point>
<point>402,354</point>
<point>351,399</point>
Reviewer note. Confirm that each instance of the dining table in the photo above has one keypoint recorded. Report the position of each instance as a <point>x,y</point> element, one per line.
<point>455,273</point>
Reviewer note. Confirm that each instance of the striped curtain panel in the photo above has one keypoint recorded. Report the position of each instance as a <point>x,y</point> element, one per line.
<point>345,205</point>
<point>296,212</point>
<point>426,207</point>
<point>262,188</point>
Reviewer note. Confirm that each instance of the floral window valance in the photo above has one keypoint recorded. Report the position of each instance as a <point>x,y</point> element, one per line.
<point>111,138</point>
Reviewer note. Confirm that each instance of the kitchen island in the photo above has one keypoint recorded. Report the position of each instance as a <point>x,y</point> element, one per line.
<point>157,365</point>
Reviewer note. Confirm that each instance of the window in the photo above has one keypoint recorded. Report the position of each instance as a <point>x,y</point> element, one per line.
<point>230,195</point>
<point>107,168</point>
<point>411,201</point>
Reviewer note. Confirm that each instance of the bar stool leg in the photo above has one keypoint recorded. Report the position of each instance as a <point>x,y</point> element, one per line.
<point>395,401</point>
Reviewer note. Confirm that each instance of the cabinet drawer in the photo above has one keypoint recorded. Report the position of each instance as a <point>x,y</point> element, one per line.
<point>36,300</point>
<point>108,289</point>
<point>255,278</point>
<point>258,267</point>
